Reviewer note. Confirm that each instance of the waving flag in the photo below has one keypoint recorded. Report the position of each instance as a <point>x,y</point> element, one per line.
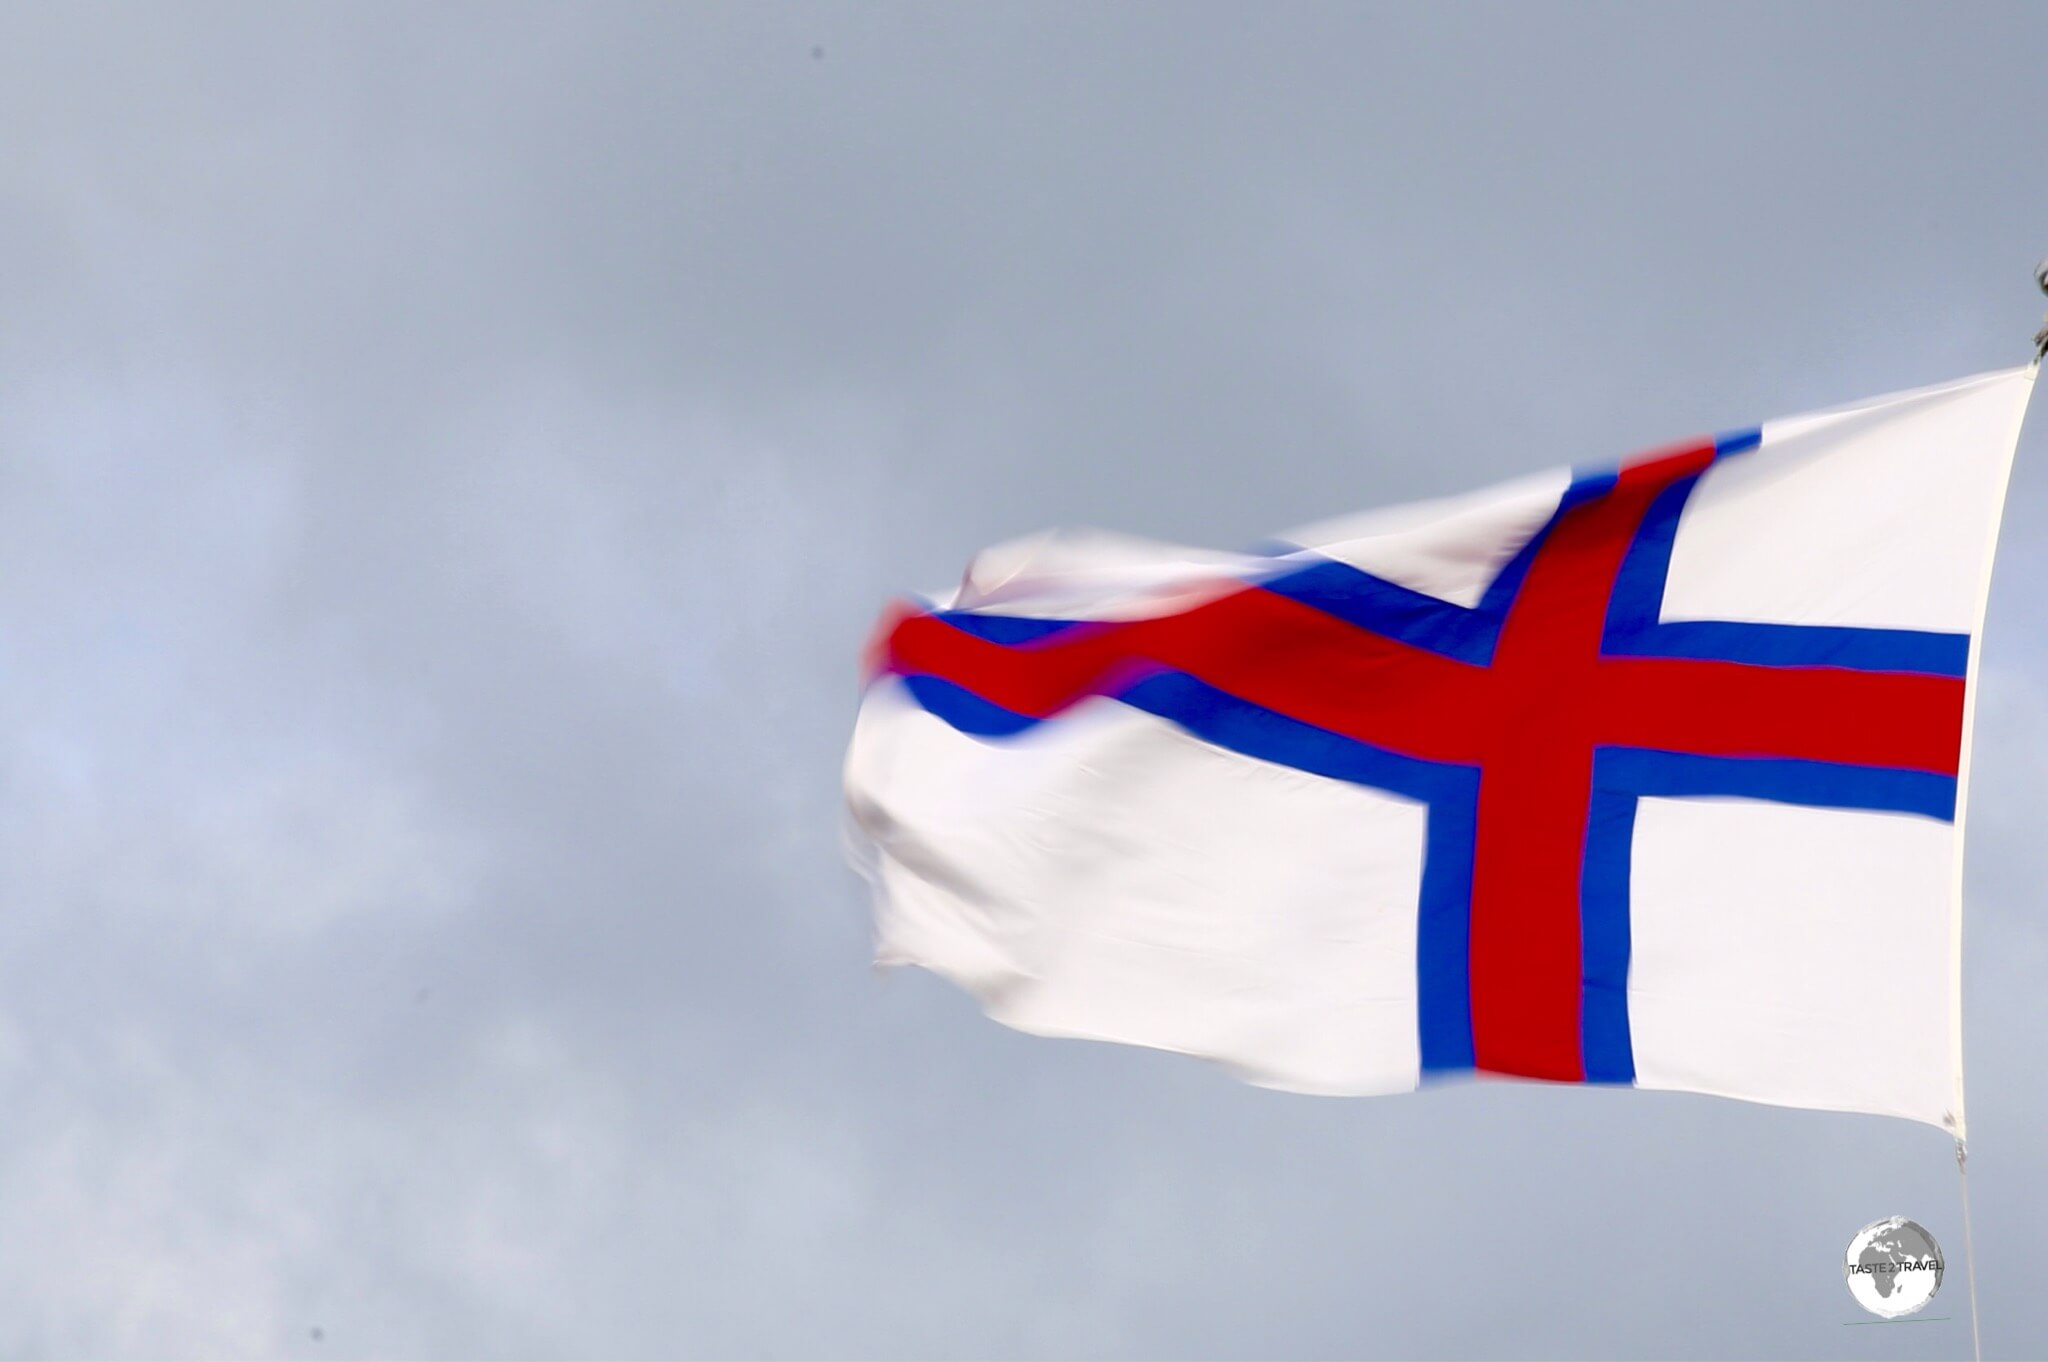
<point>1648,776</point>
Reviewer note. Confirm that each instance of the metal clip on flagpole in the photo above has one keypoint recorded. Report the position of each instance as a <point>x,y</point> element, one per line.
<point>2041,336</point>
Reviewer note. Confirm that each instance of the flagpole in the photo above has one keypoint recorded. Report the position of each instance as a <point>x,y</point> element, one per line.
<point>1962,1153</point>
<point>1969,1250</point>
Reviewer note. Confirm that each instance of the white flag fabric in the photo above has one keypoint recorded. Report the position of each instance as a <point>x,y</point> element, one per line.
<point>1651,775</point>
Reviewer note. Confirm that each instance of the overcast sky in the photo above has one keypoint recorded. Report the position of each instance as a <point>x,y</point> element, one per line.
<point>449,457</point>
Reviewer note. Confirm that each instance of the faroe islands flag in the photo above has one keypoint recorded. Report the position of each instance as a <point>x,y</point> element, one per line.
<point>1648,776</point>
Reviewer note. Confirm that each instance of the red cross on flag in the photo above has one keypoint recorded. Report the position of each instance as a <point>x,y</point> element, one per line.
<point>1650,776</point>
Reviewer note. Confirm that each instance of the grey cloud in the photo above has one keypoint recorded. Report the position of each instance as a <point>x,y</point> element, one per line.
<point>454,454</point>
